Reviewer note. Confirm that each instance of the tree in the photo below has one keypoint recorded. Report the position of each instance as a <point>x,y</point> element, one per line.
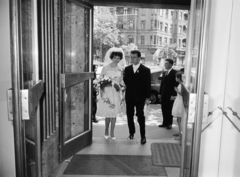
<point>169,51</point>
<point>105,32</point>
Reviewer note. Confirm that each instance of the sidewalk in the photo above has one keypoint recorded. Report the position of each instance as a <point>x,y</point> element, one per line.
<point>153,116</point>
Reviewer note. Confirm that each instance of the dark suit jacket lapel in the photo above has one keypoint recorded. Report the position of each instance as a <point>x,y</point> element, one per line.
<point>139,68</point>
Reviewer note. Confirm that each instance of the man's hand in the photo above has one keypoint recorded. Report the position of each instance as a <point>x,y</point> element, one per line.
<point>147,101</point>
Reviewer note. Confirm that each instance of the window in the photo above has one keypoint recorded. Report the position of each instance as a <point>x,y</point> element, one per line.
<point>130,11</point>
<point>171,29</point>
<point>184,42</point>
<point>150,39</point>
<point>161,26</point>
<point>165,40</point>
<point>130,24</point>
<point>130,39</point>
<point>180,15</point>
<point>170,40</point>
<point>143,24</point>
<point>112,11</point>
<point>160,40</point>
<point>125,10</point>
<point>152,24</point>
<point>155,24</point>
<point>142,40</point>
<point>184,29</point>
<point>155,40</point>
<point>166,13</point>
<point>120,10</point>
<point>171,17</point>
<point>185,17</point>
<point>120,24</point>
<point>175,41</point>
<point>180,29</point>
<point>166,27</point>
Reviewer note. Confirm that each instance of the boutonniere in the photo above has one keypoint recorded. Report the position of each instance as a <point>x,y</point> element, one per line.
<point>137,71</point>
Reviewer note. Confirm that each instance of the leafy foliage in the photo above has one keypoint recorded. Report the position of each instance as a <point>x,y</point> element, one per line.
<point>168,51</point>
<point>105,32</point>
<point>128,48</point>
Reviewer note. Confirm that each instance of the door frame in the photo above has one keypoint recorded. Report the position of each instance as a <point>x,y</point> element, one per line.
<point>32,94</point>
<point>199,85</point>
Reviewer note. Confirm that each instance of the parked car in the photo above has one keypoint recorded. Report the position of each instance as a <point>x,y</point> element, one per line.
<point>156,76</point>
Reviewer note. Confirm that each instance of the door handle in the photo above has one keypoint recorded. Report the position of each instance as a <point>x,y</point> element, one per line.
<point>71,79</point>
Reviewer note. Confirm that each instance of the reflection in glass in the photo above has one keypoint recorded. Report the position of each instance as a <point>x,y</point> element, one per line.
<point>195,48</point>
<point>76,110</point>
<point>76,105</point>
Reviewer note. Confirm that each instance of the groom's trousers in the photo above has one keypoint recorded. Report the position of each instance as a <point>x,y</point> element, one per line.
<point>139,105</point>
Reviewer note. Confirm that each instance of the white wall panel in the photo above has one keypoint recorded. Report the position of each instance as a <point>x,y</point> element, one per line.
<point>230,144</point>
<point>215,85</point>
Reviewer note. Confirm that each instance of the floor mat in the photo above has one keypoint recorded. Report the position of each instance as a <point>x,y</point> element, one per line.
<point>167,154</point>
<point>113,165</point>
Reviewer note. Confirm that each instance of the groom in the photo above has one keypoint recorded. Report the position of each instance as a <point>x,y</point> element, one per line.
<point>137,79</point>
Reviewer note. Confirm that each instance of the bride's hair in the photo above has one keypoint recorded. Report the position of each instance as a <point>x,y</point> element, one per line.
<point>116,53</point>
<point>179,75</point>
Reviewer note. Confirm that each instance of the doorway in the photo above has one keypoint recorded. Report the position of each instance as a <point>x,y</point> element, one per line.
<point>66,94</point>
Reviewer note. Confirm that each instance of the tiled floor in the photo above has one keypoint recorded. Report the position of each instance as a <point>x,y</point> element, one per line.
<point>123,146</point>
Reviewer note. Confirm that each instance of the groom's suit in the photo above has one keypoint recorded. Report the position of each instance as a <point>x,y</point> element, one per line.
<point>166,91</point>
<point>138,88</point>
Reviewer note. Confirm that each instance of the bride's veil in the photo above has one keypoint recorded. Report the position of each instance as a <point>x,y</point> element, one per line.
<point>108,60</point>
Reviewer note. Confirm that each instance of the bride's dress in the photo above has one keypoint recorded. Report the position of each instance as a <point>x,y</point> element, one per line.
<point>110,102</point>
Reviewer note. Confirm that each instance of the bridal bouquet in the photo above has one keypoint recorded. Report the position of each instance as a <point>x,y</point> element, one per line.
<point>103,82</point>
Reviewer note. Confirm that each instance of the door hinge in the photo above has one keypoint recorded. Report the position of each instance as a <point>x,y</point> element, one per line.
<point>9,104</point>
<point>29,101</point>
<point>192,108</point>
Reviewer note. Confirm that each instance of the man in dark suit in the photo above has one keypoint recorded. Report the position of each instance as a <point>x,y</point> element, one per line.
<point>94,97</point>
<point>137,78</point>
<point>167,93</point>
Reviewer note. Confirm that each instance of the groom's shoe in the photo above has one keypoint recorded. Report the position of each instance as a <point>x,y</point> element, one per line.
<point>162,125</point>
<point>143,140</point>
<point>130,137</point>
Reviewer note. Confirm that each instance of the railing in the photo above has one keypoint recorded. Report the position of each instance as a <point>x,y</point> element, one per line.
<point>226,115</point>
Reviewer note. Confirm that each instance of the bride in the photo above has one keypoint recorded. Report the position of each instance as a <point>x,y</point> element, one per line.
<point>107,59</point>
<point>110,101</point>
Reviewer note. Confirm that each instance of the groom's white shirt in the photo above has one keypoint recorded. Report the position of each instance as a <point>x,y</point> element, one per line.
<point>135,67</point>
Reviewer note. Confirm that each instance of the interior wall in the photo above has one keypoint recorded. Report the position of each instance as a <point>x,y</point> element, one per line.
<point>230,141</point>
<point>7,157</point>
<point>218,155</point>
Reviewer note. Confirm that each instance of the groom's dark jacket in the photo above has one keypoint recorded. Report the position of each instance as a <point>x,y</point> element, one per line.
<point>138,84</point>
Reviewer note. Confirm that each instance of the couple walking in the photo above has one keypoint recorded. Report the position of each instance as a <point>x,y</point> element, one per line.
<point>124,91</point>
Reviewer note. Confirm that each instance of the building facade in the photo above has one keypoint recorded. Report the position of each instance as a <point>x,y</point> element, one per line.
<point>152,29</point>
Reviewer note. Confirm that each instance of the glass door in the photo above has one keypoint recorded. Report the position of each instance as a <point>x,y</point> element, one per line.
<point>75,78</point>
